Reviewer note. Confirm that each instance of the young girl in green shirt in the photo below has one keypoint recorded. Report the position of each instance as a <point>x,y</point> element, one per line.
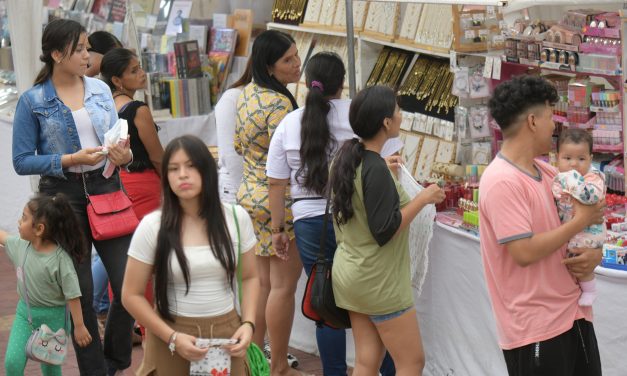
<point>45,252</point>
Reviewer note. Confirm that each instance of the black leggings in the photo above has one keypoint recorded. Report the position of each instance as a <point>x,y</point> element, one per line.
<point>573,353</point>
<point>92,360</point>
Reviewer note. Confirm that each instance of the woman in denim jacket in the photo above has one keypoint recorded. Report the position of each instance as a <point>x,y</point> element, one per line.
<point>58,133</point>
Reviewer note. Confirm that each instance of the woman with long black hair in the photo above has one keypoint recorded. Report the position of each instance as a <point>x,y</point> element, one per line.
<point>372,213</point>
<point>121,70</point>
<point>261,107</point>
<point>189,249</point>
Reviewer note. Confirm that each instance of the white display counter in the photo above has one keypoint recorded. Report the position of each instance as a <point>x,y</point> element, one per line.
<point>203,126</point>
<point>456,320</point>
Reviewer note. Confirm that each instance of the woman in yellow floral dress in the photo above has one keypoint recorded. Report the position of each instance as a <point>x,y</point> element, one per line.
<point>260,108</point>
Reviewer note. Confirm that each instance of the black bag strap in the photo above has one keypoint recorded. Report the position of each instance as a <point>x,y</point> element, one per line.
<point>323,234</point>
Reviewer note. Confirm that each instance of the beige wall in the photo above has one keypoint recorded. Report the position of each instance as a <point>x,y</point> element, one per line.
<point>206,8</point>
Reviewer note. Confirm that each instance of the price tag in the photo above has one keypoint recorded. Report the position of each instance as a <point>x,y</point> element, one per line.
<point>220,20</point>
<point>496,68</point>
<point>487,67</point>
<point>453,60</point>
<point>469,34</point>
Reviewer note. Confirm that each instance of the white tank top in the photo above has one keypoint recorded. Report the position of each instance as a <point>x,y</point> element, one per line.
<point>88,137</point>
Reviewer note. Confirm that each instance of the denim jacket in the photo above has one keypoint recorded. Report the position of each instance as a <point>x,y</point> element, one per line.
<point>44,129</point>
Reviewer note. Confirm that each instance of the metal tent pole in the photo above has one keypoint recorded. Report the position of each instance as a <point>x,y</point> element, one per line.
<point>351,48</point>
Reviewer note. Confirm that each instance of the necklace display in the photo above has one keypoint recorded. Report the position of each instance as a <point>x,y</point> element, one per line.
<point>390,18</point>
<point>372,20</point>
<point>430,80</point>
<point>389,67</point>
<point>359,14</point>
<point>410,22</point>
<point>435,26</point>
<point>312,15</point>
<point>326,14</point>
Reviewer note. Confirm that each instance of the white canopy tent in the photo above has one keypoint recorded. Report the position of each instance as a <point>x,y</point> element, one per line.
<point>25,20</point>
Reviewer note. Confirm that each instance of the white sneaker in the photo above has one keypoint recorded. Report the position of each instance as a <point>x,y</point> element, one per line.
<point>292,361</point>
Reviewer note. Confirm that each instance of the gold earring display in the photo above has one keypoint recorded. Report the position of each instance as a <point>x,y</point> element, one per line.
<point>430,81</point>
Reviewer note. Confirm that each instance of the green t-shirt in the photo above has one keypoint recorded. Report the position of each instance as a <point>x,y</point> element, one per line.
<point>50,276</point>
<point>371,267</point>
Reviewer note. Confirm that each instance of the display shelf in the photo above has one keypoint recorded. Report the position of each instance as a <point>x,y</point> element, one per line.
<point>609,127</point>
<point>607,149</point>
<point>553,67</point>
<point>601,32</point>
<point>307,29</point>
<point>588,125</point>
<point>605,109</point>
<point>433,51</point>
<point>498,3</point>
<point>518,5</point>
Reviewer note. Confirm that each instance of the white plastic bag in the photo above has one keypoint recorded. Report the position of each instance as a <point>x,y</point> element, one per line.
<point>420,232</point>
<point>118,134</point>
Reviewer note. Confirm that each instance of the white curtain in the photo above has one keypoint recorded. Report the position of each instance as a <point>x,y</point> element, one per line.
<point>25,26</point>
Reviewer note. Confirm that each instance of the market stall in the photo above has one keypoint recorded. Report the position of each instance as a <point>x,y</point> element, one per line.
<point>456,320</point>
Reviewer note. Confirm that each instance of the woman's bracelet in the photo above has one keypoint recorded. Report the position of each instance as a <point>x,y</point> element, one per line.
<point>252,325</point>
<point>71,159</point>
<point>172,342</point>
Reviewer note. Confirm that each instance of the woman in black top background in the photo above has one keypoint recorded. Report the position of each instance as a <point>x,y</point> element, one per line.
<point>121,70</point>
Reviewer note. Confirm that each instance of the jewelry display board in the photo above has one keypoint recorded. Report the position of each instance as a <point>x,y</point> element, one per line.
<point>288,11</point>
<point>360,10</point>
<point>390,67</point>
<point>434,31</point>
<point>477,28</point>
<point>427,89</point>
<point>409,27</point>
<point>382,20</point>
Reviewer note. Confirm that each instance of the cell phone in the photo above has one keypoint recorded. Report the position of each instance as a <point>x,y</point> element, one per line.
<point>102,152</point>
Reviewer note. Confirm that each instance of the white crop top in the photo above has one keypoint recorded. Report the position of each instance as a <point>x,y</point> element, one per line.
<point>209,291</point>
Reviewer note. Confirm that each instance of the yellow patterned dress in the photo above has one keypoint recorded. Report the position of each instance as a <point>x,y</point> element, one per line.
<point>259,112</point>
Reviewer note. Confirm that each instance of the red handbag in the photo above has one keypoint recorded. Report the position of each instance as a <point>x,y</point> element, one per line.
<point>318,301</point>
<point>110,215</point>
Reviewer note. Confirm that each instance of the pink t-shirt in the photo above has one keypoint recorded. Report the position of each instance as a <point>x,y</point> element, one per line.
<point>540,301</point>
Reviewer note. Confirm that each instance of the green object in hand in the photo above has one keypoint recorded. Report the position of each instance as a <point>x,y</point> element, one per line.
<point>257,362</point>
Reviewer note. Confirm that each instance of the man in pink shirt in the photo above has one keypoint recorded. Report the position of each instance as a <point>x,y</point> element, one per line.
<point>542,329</point>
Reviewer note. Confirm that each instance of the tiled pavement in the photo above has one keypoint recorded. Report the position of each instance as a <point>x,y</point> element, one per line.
<point>309,364</point>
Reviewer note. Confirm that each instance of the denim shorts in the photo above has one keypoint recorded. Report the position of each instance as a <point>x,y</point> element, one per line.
<point>377,319</point>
